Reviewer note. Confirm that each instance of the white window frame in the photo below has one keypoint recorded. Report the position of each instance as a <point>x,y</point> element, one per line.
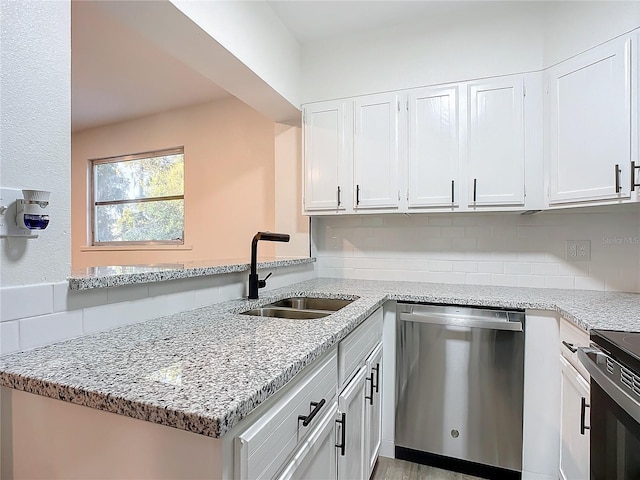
<point>94,203</point>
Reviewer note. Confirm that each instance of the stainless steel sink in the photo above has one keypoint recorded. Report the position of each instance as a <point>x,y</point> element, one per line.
<point>300,308</point>
<point>286,313</point>
<point>308,303</point>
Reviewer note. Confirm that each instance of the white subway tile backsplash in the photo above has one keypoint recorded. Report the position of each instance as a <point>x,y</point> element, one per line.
<point>478,278</point>
<point>505,249</point>
<point>551,281</point>
<point>452,232</point>
<point>465,266</point>
<point>46,329</point>
<point>127,293</point>
<point>65,299</point>
<point>441,220</point>
<point>9,337</point>
<point>589,283</point>
<point>531,281</point>
<point>25,301</point>
<point>440,266</point>
<point>504,280</point>
<point>517,268</point>
<point>490,267</point>
<point>544,269</point>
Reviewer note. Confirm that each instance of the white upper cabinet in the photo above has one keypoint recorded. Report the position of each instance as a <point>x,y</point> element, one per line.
<point>324,156</point>
<point>495,147</point>
<point>433,147</point>
<point>589,115</point>
<point>376,151</point>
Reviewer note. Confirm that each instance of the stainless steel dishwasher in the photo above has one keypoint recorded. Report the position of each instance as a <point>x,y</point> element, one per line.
<point>459,388</point>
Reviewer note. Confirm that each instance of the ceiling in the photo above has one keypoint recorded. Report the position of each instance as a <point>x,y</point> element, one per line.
<point>117,74</point>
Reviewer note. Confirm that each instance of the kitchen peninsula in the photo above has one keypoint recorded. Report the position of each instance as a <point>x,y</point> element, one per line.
<point>205,370</point>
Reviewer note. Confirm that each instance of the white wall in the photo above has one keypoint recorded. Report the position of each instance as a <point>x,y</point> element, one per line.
<point>573,27</point>
<point>253,33</point>
<point>36,132</point>
<point>484,249</point>
<point>485,39</point>
<point>488,38</point>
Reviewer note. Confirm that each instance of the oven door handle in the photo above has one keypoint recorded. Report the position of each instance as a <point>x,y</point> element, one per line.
<point>590,358</point>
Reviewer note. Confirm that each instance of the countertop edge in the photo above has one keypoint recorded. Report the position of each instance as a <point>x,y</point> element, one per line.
<point>163,275</point>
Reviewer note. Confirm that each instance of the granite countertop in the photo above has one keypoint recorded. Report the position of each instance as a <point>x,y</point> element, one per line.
<point>206,369</point>
<point>119,275</point>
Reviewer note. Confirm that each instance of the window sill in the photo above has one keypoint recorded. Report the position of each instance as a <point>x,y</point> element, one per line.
<point>125,248</point>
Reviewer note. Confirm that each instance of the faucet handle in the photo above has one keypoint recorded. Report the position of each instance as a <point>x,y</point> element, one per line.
<point>263,283</point>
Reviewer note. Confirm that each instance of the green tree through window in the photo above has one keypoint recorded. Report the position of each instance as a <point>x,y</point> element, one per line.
<point>139,198</point>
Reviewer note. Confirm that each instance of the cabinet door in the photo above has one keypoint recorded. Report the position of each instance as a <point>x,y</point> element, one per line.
<point>351,464</point>
<point>496,142</point>
<point>433,147</point>
<point>316,457</point>
<point>376,151</point>
<point>373,408</point>
<point>589,108</point>
<point>324,155</point>
<point>574,447</point>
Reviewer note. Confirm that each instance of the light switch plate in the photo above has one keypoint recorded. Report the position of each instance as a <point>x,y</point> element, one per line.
<point>578,250</point>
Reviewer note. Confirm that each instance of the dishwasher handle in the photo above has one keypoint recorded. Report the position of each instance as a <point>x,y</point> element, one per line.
<point>462,322</point>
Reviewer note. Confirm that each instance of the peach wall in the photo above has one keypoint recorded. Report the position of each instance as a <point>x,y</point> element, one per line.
<point>229,180</point>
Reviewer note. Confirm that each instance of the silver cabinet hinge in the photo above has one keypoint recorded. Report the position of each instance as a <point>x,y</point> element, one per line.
<point>524,91</point>
<point>398,105</point>
<point>407,105</point>
<point>398,195</point>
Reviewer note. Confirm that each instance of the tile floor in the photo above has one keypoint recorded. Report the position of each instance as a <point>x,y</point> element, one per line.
<point>390,469</point>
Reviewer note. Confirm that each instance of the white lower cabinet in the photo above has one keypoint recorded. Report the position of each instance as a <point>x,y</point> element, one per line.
<point>316,457</point>
<point>325,424</point>
<point>351,465</point>
<point>574,432</point>
<point>373,408</point>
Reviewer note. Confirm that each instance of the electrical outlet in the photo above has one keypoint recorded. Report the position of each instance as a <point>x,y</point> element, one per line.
<point>578,250</point>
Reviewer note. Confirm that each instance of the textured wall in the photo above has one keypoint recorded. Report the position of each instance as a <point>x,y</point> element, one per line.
<point>35,132</point>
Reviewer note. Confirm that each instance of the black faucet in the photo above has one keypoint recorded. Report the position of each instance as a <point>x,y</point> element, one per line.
<point>254,283</point>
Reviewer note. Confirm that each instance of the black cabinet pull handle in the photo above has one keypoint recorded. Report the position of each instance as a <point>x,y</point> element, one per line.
<point>377,369</point>
<point>339,202</point>
<point>306,419</point>
<point>583,409</point>
<point>343,435</point>
<point>475,188</point>
<point>371,387</point>
<point>570,346</point>
<point>617,178</point>
<point>357,194</point>
<point>453,187</point>
<point>634,167</point>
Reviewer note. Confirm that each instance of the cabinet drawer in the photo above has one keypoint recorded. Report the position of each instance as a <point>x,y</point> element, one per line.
<point>262,449</point>
<point>572,337</point>
<point>353,350</point>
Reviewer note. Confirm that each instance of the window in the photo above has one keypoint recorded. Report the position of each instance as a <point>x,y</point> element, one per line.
<point>138,199</point>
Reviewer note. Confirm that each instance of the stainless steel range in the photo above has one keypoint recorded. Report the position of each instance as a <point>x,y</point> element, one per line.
<point>459,388</point>
<point>613,361</point>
